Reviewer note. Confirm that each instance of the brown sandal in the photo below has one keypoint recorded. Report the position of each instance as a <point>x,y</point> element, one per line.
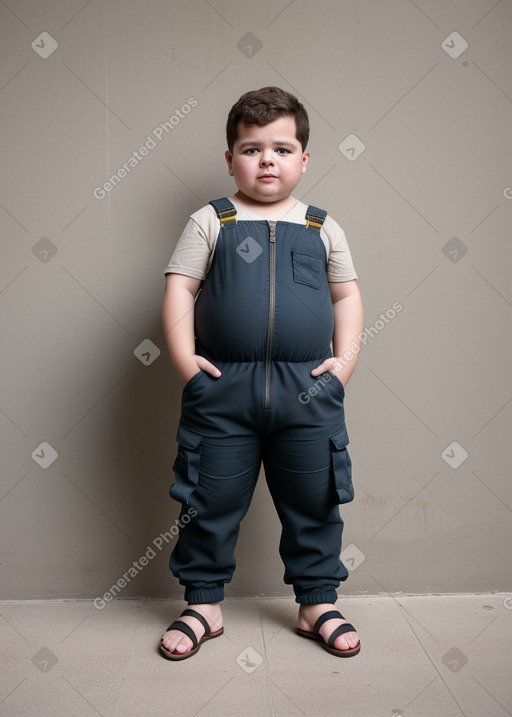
<point>329,645</point>
<point>187,630</point>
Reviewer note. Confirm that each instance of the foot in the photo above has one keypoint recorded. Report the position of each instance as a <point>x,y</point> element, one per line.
<point>175,641</point>
<point>309,614</point>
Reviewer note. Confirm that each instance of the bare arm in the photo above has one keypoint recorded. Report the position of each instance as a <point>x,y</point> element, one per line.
<point>178,324</point>
<point>348,327</point>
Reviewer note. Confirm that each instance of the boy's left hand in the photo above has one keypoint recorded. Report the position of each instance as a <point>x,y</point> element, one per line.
<point>335,366</point>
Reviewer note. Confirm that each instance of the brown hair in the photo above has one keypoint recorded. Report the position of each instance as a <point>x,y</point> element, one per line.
<point>260,107</point>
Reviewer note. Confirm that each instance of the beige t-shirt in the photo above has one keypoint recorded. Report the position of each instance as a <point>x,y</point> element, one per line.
<point>195,248</point>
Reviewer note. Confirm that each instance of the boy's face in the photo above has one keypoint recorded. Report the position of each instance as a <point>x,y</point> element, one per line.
<point>267,162</point>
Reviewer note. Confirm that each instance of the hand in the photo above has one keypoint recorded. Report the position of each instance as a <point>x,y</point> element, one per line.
<point>335,366</point>
<point>199,363</point>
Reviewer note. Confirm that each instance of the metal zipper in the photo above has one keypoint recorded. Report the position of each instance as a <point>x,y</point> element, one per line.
<point>271,311</point>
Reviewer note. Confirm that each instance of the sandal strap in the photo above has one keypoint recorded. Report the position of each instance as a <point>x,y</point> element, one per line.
<point>347,627</point>
<point>329,615</point>
<point>185,629</point>
<point>193,613</point>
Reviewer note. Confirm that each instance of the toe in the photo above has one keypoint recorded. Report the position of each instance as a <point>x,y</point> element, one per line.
<point>182,648</point>
<point>174,641</point>
<point>347,641</point>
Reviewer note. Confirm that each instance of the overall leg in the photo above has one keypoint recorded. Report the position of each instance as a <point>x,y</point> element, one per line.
<point>203,558</point>
<point>308,471</point>
<point>216,470</point>
<point>299,473</point>
<point>301,480</point>
<point>227,471</point>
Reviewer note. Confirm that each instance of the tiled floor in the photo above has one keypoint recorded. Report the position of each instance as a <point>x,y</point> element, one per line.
<point>439,656</point>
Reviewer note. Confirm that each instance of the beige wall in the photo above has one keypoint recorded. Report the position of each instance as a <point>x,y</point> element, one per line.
<point>427,208</point>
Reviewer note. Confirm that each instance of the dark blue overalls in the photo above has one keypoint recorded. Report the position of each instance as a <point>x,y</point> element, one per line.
<point>264,316</point>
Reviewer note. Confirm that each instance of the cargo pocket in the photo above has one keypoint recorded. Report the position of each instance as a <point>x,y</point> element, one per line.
<point>308,268</point>
<point>341,466</point>
<point>186,465</point>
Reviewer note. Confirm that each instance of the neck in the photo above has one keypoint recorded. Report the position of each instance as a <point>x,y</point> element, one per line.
<point>269,210</point>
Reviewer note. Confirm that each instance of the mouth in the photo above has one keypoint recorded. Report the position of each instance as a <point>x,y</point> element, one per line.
<point>267,176</point>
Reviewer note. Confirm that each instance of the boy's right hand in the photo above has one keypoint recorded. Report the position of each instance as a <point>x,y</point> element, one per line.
<point>199,363</point>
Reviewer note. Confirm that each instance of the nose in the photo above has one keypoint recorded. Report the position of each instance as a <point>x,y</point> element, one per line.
<point>266,158</point>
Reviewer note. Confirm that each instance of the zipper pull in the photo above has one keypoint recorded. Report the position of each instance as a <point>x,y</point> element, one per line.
<point>272,227</point>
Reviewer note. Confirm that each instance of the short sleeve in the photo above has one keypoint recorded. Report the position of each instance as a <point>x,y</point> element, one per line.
<point>194,250</point>
<point>340,266</point>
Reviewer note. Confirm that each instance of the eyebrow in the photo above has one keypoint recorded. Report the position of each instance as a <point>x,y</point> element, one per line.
<point>285,143</point>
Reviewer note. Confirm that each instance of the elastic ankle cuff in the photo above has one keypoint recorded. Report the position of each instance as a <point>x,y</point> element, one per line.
<point>200,596</point>
<point>316,597</point>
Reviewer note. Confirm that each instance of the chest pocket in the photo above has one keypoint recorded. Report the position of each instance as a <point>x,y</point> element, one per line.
<point>308,268</point>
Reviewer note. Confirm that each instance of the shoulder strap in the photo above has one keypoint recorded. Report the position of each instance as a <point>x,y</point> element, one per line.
<point>315,218</point>
<point>225,211</point>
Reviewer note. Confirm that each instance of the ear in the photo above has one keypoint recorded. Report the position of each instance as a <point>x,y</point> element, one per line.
<point>229,160</point>
<point>305,160</point>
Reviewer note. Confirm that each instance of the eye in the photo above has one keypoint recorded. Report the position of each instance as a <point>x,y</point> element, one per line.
<point>251,151</point>
<point>283,150</point>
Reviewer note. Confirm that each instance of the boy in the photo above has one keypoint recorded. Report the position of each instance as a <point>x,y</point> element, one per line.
<point>261,384</point>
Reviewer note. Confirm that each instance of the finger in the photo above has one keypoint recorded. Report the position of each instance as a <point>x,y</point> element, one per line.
<point>208,367</point>
<point>324,366</point>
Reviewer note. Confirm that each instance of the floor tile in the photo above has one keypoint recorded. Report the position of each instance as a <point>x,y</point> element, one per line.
<point>421,656</point>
